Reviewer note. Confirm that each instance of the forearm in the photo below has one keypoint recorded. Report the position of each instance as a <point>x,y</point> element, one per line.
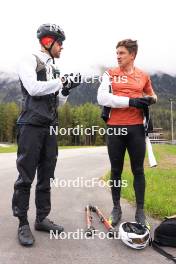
<point>114,101</point>
<point>41,88</point>
<point>148,89</point>
<point>27,73</point>
<point>105,98</point>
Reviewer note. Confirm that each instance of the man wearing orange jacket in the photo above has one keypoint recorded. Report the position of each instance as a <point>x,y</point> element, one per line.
<point>126,100</point>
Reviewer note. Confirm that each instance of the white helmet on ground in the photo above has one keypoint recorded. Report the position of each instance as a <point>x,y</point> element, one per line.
<point>134,235</point>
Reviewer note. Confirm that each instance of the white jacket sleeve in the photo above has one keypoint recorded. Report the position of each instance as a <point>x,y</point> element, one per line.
<point>105,98</point>
<point>27,73</point>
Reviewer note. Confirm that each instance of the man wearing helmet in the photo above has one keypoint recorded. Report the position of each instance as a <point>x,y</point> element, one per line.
<point>54,36</point>
<point>42,92</point>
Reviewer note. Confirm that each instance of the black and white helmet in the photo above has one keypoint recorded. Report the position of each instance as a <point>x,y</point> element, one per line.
<point>51,30</point>
<point>134,235</point>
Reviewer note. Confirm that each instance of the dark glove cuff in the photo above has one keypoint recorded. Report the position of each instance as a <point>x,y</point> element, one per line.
<point>65,91</point>
<point>132,102</point>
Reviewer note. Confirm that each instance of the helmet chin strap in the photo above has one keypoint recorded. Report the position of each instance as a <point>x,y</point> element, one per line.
<point>49,50</point>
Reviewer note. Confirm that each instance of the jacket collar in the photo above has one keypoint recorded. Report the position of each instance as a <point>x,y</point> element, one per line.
<point>44,57</point>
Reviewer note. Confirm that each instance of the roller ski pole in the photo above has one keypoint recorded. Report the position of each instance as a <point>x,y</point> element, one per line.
<point>111,230</point>
<point>90,228</point>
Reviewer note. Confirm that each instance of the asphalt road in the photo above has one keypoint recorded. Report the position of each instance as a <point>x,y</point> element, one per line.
<point>68,205</point>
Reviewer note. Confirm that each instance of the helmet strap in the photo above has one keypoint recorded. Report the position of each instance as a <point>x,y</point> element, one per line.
<point>49,50</point>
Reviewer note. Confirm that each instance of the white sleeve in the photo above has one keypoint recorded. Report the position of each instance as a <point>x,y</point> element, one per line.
<point>61,98</point>
<point>27,73</point>
<point>105,98</point>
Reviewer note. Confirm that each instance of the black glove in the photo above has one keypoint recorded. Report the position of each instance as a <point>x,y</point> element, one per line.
<point>142,102</point>
<point>71,81</point>
<point>65,91</point>
<point>148,124</point>
<point>105,113</point>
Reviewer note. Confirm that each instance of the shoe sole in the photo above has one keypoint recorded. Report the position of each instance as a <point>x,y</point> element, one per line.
<point>46,230</point>
<point>26,244</point>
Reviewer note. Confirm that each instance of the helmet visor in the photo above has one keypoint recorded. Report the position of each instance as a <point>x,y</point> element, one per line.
<point>140,240</point>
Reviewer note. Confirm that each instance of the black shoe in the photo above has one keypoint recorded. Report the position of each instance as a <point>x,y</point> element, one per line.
<point>140,217</point>
<point>25,236</point>
<point>115,216</point>
<point>46,225</point>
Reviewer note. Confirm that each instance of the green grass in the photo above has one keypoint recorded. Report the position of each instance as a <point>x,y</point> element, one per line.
<point>9,149</point>
<point>160,196</point>
<point>13,148</point>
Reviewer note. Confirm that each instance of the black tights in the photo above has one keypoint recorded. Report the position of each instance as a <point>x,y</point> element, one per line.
<point>134,142</point>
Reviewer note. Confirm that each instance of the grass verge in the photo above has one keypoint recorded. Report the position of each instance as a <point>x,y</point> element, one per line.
<point>160,199</point>
<point>13,148</point>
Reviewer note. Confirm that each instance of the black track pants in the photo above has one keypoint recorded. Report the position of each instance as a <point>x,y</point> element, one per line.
<point>37,151</point>
<point>134,142</point>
